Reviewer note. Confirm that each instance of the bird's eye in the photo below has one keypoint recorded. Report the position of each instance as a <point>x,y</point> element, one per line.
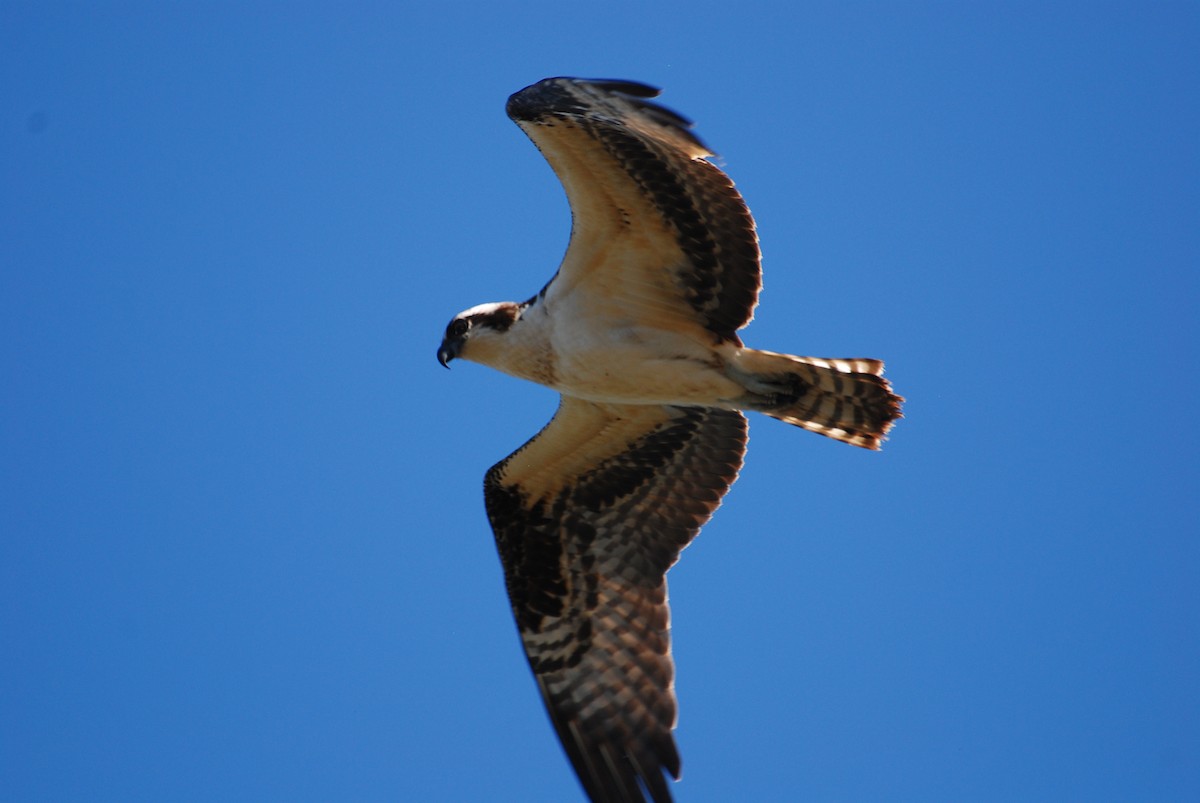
<point>458,328</point>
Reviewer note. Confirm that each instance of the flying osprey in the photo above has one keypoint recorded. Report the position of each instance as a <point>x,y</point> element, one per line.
<point>638,332</point>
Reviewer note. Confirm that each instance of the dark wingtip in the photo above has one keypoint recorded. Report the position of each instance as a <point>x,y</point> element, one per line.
<point>632,88</point>
<point>552,95</point>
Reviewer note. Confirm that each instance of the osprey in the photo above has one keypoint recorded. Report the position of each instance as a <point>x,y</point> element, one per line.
<point>638,333</point>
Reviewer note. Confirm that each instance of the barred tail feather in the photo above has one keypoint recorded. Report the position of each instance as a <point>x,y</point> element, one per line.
<point>844,399</point>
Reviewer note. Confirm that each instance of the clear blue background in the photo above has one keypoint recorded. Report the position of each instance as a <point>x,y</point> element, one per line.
<point>243,550</point>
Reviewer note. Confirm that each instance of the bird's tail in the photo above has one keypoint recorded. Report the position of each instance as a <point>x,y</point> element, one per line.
<point>847,400</point>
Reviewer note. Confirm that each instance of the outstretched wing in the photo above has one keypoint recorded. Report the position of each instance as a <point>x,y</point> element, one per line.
<point>588,517</point>
<point>654,224</point>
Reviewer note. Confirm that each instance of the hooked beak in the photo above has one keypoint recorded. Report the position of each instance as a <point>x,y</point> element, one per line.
<point>448,351</point>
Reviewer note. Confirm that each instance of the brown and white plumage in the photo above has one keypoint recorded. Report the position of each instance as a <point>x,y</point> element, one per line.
<point>588,516</point>
<point>638,332</point>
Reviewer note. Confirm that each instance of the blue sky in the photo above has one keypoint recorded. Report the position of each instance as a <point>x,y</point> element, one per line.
<point>244,555</point>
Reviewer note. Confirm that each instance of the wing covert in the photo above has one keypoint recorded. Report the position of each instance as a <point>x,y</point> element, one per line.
<point>588,516</point>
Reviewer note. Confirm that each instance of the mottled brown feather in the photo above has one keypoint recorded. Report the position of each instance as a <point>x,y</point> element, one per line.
<point>641,190</point>
<point>588,517</point>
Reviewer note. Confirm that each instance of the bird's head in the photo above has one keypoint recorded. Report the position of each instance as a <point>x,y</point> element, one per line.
<point>475,333</point>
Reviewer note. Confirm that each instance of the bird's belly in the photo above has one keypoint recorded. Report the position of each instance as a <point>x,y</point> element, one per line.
<point>631,366</point>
